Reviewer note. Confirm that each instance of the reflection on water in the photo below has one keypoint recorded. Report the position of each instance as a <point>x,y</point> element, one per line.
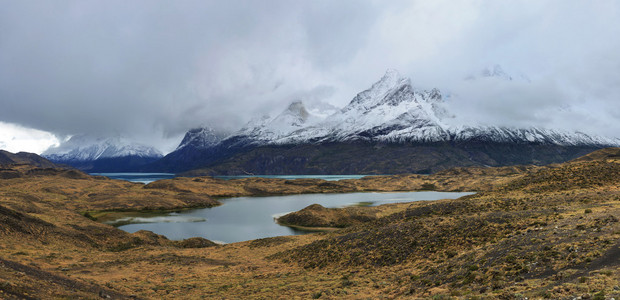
<point>172,218</point>
<point>248,218</point>
<point>137,177</point>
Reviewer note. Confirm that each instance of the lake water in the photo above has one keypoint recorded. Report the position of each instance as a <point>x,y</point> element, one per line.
<point>137,177</point>
<point>325,177</point>
<point>248,218</point>
<point>150,177</point>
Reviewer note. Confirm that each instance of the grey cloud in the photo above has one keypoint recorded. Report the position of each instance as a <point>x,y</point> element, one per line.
<point>154,66</point>
<point>154,69</point>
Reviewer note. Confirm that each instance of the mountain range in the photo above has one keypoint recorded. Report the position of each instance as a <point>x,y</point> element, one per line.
<point>101,154</point>
<point>389,128</point>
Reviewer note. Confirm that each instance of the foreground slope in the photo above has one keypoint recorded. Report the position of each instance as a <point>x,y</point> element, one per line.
<point>554,233</point>
<point>536,232</point>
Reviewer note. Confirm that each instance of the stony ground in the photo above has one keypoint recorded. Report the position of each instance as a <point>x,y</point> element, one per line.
<point>530,232</point>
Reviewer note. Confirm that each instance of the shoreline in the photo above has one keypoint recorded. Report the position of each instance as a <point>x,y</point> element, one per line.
<point>256,187</point>
<point>308,229</point>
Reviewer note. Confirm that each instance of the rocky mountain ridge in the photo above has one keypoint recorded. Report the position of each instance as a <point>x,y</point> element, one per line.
<point>391,112</point>
<point>98,154</point>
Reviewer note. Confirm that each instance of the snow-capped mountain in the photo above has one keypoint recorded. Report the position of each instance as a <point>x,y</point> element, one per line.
<point>530,135</point>
<point>267,130</point>
<point>201,138</point>
<point>86,148</point>
<point>293,118</point>
<point>390,128</point>
<point>393,111</point>
<point>119,154</point>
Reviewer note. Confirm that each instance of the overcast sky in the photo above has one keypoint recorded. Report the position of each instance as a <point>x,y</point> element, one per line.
<point>153,69</point>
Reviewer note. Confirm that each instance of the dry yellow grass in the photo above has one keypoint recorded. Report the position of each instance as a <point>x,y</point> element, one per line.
<point>530,232</point>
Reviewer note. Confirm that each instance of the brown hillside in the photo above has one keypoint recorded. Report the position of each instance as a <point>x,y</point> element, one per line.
<point>24,158</point>
<point>601,155</point>
<point>550,232</point>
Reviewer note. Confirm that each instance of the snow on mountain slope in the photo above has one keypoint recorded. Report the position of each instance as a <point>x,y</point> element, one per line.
<point>201,138</point>
<point>393,111</point>
<point>529,135</point>
<point>268,129</point>
<point>86,148</point>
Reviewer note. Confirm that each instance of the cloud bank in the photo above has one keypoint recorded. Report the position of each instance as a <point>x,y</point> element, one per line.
<point>15,138</point>
<point>153,69</point>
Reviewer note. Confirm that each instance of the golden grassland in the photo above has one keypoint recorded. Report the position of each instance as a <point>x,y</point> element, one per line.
<point>536,232</point>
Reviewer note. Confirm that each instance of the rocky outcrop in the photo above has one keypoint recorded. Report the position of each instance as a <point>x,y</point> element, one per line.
<point>316,215</point>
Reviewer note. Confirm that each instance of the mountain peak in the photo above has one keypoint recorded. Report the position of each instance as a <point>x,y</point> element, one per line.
<point>391,74</point>
<point>391,78</point>
<point>297,108</point>
<point>293,117</point>
<point>201,137</point>
<point>380,91</point>
<point>496,71</point>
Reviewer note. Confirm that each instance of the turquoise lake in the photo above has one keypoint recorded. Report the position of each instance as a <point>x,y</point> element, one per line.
<point>150,177</point>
